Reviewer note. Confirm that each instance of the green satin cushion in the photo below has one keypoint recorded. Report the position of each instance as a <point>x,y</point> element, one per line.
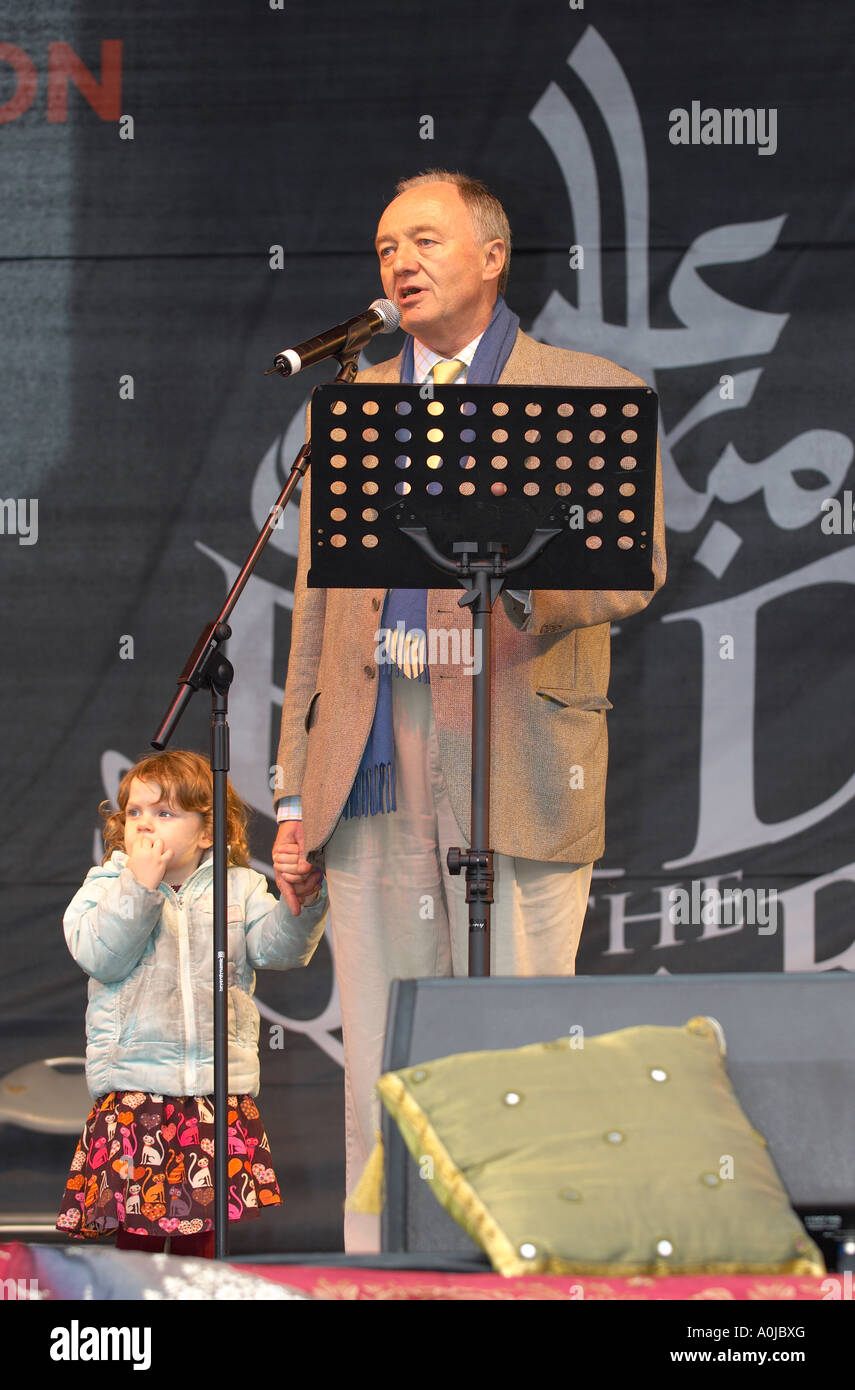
<point>627,1154</point>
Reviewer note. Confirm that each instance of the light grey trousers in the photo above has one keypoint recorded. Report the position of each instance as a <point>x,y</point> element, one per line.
<point>397,913</point>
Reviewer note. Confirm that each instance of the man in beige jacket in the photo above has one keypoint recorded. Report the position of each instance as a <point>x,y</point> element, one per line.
<point>443,245</point>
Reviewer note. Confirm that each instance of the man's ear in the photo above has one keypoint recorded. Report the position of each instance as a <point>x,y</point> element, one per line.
<point>494,258</point>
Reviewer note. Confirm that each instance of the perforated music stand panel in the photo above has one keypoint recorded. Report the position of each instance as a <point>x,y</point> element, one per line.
<point>483,463</point>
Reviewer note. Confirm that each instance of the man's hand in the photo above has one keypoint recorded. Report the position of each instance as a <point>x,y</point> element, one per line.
<point>148,859</point>
<point>295,877</point>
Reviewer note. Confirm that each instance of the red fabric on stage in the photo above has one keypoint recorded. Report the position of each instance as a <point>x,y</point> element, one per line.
<point>21,1262</point>
<point>349,1285</point>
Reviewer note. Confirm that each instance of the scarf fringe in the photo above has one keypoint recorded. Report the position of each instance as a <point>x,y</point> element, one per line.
<point>373,792</point>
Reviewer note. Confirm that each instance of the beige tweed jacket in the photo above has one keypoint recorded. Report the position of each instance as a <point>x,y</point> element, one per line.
<point>560,651</point>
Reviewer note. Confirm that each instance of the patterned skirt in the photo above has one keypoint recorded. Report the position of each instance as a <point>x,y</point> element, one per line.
<point>146,1163</point>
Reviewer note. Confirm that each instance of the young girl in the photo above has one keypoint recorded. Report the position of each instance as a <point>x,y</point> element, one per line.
<point>142,929</point>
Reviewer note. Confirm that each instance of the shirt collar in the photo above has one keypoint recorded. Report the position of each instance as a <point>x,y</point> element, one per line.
<point>425,359</point>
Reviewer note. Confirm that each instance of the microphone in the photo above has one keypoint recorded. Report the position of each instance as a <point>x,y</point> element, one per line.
<point>381,317</point>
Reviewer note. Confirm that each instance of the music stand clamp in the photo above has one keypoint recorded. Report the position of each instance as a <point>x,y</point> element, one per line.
<point>496,472</point>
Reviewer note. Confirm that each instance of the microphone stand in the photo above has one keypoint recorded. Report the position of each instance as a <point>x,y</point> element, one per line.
<point>208,667</point>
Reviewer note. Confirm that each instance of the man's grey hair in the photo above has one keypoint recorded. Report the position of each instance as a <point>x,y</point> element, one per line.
<point>488,215</point>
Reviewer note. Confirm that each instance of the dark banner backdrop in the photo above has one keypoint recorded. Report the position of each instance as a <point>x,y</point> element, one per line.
<point>186,192</point>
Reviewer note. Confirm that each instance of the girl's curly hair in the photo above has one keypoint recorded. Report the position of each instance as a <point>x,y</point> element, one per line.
<point>185,781</point>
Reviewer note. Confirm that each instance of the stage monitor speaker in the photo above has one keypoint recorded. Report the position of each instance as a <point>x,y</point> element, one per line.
<point>790,1057</point>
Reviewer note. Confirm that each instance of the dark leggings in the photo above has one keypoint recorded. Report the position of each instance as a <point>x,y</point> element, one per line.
<point>201,1245</point>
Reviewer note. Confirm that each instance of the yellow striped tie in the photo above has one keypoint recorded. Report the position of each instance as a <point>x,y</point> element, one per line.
<point>445,372</point>
<point>406,649</point>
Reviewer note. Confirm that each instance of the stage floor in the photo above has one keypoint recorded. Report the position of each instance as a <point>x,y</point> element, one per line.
<point>74,1272</point>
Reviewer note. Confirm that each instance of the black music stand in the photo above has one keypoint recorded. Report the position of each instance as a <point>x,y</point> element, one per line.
<point>476,481</point>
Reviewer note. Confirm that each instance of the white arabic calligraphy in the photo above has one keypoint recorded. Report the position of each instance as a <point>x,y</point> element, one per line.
<point>714,328</point>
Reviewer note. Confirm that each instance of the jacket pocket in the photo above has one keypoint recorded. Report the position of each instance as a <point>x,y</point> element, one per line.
<point>238,966</point>
<point>312,712</point>
<point>243,1018</point>
<point>236,938</point>
<point>134,997</point>
<point>574,699</point>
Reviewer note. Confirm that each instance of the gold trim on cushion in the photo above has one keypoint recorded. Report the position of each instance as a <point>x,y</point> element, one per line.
<point>369,1195</point>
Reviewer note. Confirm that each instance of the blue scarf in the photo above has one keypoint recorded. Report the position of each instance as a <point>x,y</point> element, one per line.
<point>374,788</point>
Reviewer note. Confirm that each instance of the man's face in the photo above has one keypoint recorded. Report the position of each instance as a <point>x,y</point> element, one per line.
<point>435,268</point>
